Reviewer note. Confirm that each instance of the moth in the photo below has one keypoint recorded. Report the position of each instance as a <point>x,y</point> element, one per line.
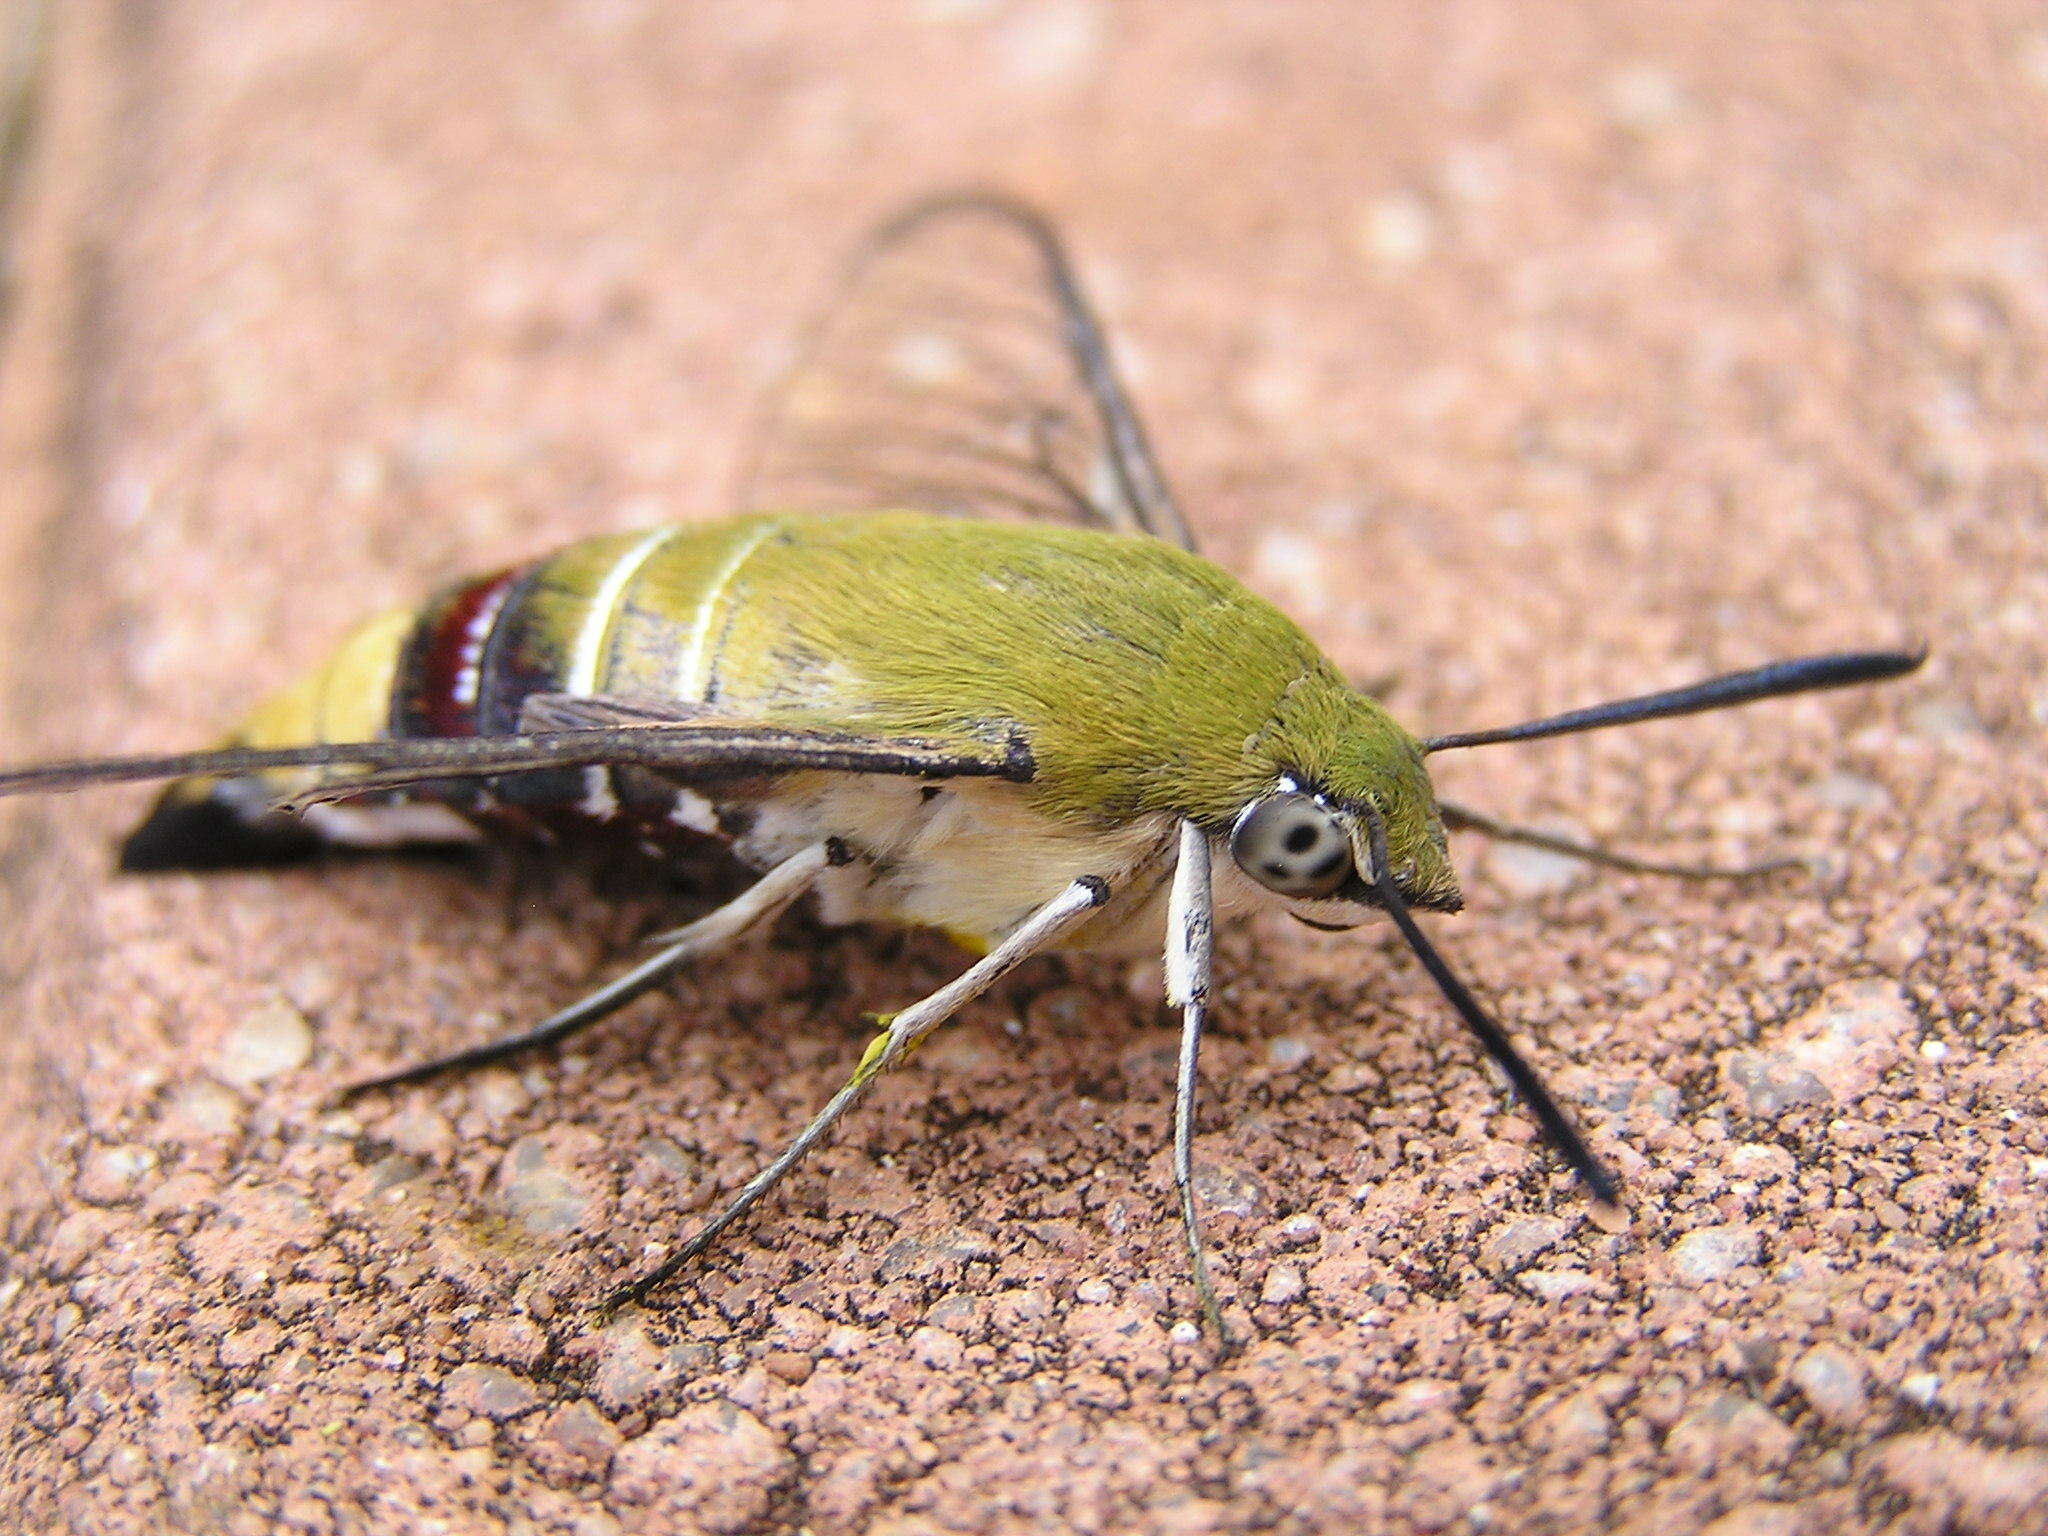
<point>957,664</point>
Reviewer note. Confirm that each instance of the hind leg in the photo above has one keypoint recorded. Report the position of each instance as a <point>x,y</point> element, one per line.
<point>759,902</point>
<point>1460,818</point>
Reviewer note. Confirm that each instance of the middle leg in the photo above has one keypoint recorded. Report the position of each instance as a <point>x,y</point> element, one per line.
<point>902,1033</point>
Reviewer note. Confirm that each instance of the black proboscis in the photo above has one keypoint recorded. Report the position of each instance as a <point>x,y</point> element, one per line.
<point>1557,1125</point>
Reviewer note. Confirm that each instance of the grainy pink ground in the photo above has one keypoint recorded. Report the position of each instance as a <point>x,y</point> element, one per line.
<point>1528,353</point>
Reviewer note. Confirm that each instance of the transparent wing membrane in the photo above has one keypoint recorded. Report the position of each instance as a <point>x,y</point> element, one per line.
<point>961,370</point>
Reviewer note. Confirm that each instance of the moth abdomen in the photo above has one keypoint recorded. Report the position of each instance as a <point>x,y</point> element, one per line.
<point>461,664</point>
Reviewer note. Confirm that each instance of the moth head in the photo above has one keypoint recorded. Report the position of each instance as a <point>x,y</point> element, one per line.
<point>1335,765</point>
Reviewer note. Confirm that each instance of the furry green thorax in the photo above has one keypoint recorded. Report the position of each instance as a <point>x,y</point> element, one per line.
<point>1143,680</point>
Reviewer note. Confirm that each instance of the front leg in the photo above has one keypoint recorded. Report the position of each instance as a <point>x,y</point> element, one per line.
<point>1190,939</point>
<point>902,1034</point>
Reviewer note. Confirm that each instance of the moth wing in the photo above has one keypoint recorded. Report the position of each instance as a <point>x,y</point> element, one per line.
<point>585,711</point>
<point>960,369</point>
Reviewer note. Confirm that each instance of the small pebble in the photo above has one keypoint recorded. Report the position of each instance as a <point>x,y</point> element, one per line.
<point>671,1159</point>
<point>1761,1161</point>
<point>574,1441</point>
<point>925,359</point>
<point>789,1365</point>
<point>937,1349</point>
<point>1528,873</point>
<point>1287,1053</point>
<point>1554,1284</point>
<point>110,1174</point>
<point>510,1338</point>
<point>420,1130</point>
<point>631,1369</point>
<point>537,1195</point>
<point>1759,1518</point>
<point>1283,1285</point>
<point>312,986</point>
<point>202,1109</point>
<point>489,1390</point>
<point>1143,980</point>
<point>273,1040</point>
<point>712,1467</point>
<point>1521,1240</point>
<point>844,1341</point>
<point>497,1095</point>
<point>1771,1082</point>
<point>2033,58</point>
<point>1831,1381</point>
<point>1296,1230</point>
<point>1413,1398</point>
<point>1229,1190</point>
<point>1714,1253</point>
<point>1944,719</point>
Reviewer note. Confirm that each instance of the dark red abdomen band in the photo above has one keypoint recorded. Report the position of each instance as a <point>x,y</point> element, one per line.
<point>443,672</point>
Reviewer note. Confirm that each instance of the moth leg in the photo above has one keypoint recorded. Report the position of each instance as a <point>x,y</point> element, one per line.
<point>759,902</point>
<point>1190,930</point>
<point>1461,818</point>
<point>901,1035</point>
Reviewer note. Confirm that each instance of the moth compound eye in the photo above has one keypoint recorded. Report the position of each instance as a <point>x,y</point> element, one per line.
<point>1290,844</point>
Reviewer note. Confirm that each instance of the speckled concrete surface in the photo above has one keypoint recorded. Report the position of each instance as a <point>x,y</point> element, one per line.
<point>1529,354</point>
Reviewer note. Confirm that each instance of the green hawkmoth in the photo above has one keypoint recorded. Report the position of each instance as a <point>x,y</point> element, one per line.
<point>1045,723</point>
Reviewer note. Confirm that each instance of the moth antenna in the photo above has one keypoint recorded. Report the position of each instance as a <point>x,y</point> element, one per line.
<point>424,757</point>
<point>1557,1126</point>
<point>1805,675</point>
<point>706,747</point>
<point>222,762</point>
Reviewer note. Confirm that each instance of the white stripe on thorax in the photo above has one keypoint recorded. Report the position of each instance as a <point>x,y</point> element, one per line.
<point>586,656</point>
<point>693,676</point>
